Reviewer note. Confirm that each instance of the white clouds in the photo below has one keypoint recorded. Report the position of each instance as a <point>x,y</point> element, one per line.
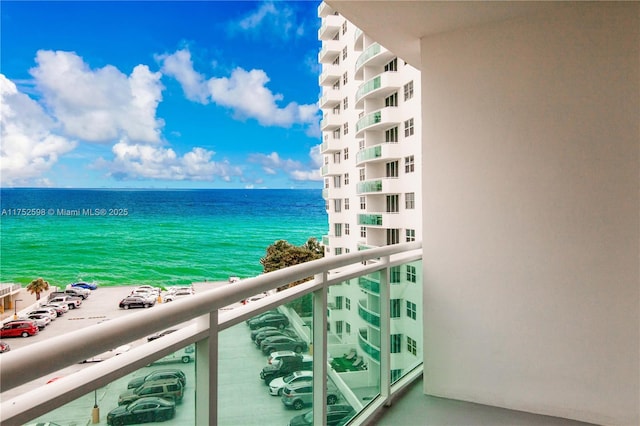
<point>244,92</point>
<point>138,161</point>
<point>271,163</point>
<point>279,22</point>
<point>29,147</point>
<point>99,105</point>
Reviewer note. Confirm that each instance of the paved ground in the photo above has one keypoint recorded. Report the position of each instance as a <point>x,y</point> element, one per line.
<point>243,399</point>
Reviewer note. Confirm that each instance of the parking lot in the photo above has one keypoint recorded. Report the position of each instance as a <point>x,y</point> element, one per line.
<point>243,399</point>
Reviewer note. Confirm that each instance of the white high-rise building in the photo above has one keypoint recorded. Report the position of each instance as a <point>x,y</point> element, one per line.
<point>371,151</point>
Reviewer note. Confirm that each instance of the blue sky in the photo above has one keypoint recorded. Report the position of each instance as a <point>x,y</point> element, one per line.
<point>159,94</point>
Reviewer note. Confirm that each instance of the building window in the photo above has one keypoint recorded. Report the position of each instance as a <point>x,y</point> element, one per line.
<point>347,303</point>
<point>345,128</point>
<point>346,179</point>
<point>408,90</point>
<point>337,205</point>
<point>336,109</point>
<point>348,328</point>
<point>339,328</point>
<point>346,228</point>
<point>336,134</point>
<point>395,308</point>
<point>411,310</point>
<point>338,303</point>
<point>336,61</point>
<point>344,27</point>
<point>392,169</point>
<point>345,79</point>
<point>326,183</point>
<point>391,135</point>
<point>396,343</point>
<point>393,202</point>
<point>346,153</point>
<point>409,164</point>
<point>363,203</point>
<point>393,236</point>
<point>396,373</point>
<point>336,181</point>
<point>336,85</point>
<point>408,128</point>
<point>392,66</point>
<point>361,173</point>
<point>347,250</point>
<point>411,345</point>
<point>410,200</point>
<point>363,231</point>
<point>394,274</point>
<point>410,235</point>
<point>345,103</point>
<point>391,101</point>
<point>336,157</point>
<point>337,229</point>
<point>338,251</point>
<point>411,274</point>
<point>344,53</point>
<point>361,144</point>
<point>346,204</point>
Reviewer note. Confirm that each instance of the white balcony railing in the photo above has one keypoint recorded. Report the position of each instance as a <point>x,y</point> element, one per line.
<point>36,361</point>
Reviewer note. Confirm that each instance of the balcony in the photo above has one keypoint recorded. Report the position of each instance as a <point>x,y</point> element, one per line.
<point>330,122</point>
<point>358,38</point>
<point>331,25</point>
<point>370,219</point>
<point>214,331</point>
<point>370,349</point>
<point>330,50</point>
<point>378,120</point>
<point>373,318</point>
<point>330,98</point>
<point>330,74</point>
<point>379,186</point>
<point>374,55</point>
<point>330,144</point>
<point>379,86</point>
<point>369,284</point>
<point>382,152</point>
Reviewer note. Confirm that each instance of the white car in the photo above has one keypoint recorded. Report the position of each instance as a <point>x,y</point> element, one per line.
<point>41,320</point>
<point>277,384</point>
<point>49,312</point>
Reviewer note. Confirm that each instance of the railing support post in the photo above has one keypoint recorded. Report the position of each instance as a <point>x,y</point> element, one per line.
<point>320,352</point>
<point>207,373</point>
<point>385,332</point>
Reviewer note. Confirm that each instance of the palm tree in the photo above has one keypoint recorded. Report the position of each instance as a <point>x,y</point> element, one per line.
<point>37,286</point>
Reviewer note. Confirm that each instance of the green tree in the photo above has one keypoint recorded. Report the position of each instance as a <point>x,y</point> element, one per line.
<point>282,254</point>
<point>37,286</point>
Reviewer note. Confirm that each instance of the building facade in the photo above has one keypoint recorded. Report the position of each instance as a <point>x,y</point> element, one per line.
<point>371,169</point>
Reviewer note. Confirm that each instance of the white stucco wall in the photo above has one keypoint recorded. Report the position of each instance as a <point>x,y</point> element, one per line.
<point>531,213</point>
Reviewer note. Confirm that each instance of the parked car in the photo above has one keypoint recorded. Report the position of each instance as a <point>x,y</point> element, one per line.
<point>136,302</point>
<point>41,320</point>
<point>277,384</point>
<point>78,292</point>
<point>60,308</point>
<point>88,286</point>
<point>257,331</point>
<point>286,365</point>
<point>172,373</point>
<point>272,311</point>
<point>178,293</point>
<point>275,320</point>
<point>160,334</point>
<point>71,301</point>
<point>184,356</point>
<point>143,410</point>
<point>106,355</point>
<point>49,312</point>
<point>298,395</point>
<point>4,347</point>
<point>336,415</point>
<point>170,389</point>
<point>24,328</point>
<point>260,337</point>
<point>282,343</point>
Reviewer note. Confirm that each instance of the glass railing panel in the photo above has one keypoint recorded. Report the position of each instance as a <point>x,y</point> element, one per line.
<point>163,391</point>
<point>370,219</point>
<point>369,153</point>
<point>250,384</point>
<point>368,120</point>
<point>369,52</point>
<point>406,320</point>
<point>369,186</point>
<point>367,87</point>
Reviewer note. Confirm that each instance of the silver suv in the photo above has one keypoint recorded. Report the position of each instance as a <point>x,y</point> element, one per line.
<point>297,395</point>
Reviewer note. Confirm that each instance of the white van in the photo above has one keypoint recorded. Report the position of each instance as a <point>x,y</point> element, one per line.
<point>184,355</point>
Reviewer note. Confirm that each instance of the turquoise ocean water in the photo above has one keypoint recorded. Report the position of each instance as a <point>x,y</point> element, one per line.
<point>158,237</point>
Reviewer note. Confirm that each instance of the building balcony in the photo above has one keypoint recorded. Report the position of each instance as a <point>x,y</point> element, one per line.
<point>380,86</point>
<point>374,55</point>
<point>330,50</point>
<point>378,120</point>
<point>369,284</point>
<point>330,74</point>
<point>379,186</point>
<point>367,347</point>
<point>358,40</point>
<point>331,25</point>
<point>372,318</point>
<point>382,152</point>
<point>332,169</point>
<point>330,144</point>
<point>324,10</point>
<point>330,122</point>
<point>330,98</point>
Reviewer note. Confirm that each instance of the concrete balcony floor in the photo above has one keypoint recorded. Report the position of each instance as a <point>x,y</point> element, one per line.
<point>415,408</point>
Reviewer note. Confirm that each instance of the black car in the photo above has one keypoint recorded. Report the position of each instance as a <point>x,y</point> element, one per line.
<point>336,414</point>
<point>143,410</point>
<point>282,343</point>
<point>169,373</point>
<point>136,302</point>
<point>274,332</point>
<point>257,331</point>
<point>274,320</point>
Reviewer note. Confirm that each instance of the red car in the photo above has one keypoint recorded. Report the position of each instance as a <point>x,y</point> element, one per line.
<point>19,328</point>
<point>4,347</point>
